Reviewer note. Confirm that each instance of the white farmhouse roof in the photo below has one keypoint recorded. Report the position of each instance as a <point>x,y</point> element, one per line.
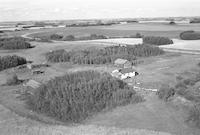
<point>33,84</point>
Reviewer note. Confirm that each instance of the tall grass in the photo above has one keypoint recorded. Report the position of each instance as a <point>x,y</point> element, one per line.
<point>76,96</point>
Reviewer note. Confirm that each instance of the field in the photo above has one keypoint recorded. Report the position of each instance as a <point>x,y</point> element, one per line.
<point>151,117</point>
<point>151,29</point>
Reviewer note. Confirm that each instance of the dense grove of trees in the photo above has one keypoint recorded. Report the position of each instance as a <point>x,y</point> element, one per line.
<point>190,35</point>
<point>103,56</point>
<point>195,20</point>
<point>14,43</point>
<point>157,40</point>
<point>76,96</point>
<point>73,38</point>
<point>11,61</point>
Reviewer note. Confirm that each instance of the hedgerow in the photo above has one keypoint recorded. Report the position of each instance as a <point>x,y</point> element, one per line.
<point>190,35</point>
<point>11,61</point>
<point>156,40</point>
<point>14,43</point>
<point>76,96</point>
<point>103,56</point>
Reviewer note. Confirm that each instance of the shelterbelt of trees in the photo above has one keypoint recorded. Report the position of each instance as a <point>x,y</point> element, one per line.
<point>14,43</point>
<point>76,96</point>
<point>103,56</point>
<point>11,61</point>
<point>190,35</point>
<point>73,38</point>
<point>157,40</point>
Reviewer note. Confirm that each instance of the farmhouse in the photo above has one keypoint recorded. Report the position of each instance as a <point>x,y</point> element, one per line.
<point>122,63</point>
<point>124,73</point>
<point>32,84</point>
<point>128,73</point>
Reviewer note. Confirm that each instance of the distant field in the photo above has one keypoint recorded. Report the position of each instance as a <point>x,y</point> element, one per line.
<point>150,29</point>
<point>184,45</point>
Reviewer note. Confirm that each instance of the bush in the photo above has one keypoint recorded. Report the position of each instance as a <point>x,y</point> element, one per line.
<point>157,40</point>
<point>103,56</point>
<point>194,115</point>
<point>165,92</point>
<point>69,38</point>
<point>56,37</point>
<point>172,23</point>
<point>76,96</point>
<point>11,61</point>
<point>195,20</point>
<point>137,35</point>
<point>14,43</point>
<point>13,80</point>
<point>190,35</point>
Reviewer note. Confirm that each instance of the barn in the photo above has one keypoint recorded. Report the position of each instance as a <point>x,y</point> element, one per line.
<point>123,63</point>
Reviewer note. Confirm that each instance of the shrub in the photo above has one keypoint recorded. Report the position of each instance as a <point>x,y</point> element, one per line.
<point>69,38</point>
<point>76,96</point>
<point>195,20</point>
<point>190,35</point>
<point>56,37</point>
<point>172,23</point>
<point>157,40</point>
<point>103,56</point>
<point>11,61</point>
<point>137,35</point>
<point>14,43</point>
<point>94,36</point>
<point>165,92</point>
<point>194,115</point>
<point>13,80</point>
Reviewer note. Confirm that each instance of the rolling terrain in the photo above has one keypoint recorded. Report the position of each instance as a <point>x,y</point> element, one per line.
<point>151,117</point>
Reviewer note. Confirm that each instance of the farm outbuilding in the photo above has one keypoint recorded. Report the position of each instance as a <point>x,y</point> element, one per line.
<point>123,63</point>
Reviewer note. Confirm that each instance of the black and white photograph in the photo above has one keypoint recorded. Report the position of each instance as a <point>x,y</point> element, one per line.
<point>99,67</point>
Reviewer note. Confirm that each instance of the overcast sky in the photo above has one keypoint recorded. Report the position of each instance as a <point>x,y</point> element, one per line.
<point>22,10</point>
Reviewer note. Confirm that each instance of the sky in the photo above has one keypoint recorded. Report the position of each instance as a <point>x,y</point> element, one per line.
<point>25,10</point>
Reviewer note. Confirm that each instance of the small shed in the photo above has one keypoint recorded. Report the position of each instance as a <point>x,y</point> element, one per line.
<point>122,63</point>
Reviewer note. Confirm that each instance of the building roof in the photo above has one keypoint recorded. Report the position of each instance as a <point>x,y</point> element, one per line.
<point>33,84</point>
<point>127,70</point>
<point>121,61</point>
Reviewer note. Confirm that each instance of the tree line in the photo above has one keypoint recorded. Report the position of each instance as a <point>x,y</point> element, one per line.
<point>76,96</point>
<point>11,61</point>
<point>14,43</point>
<point>103,56</point>
<point>190,35</point>
<point>73,38</point>
<point>152,40</point>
